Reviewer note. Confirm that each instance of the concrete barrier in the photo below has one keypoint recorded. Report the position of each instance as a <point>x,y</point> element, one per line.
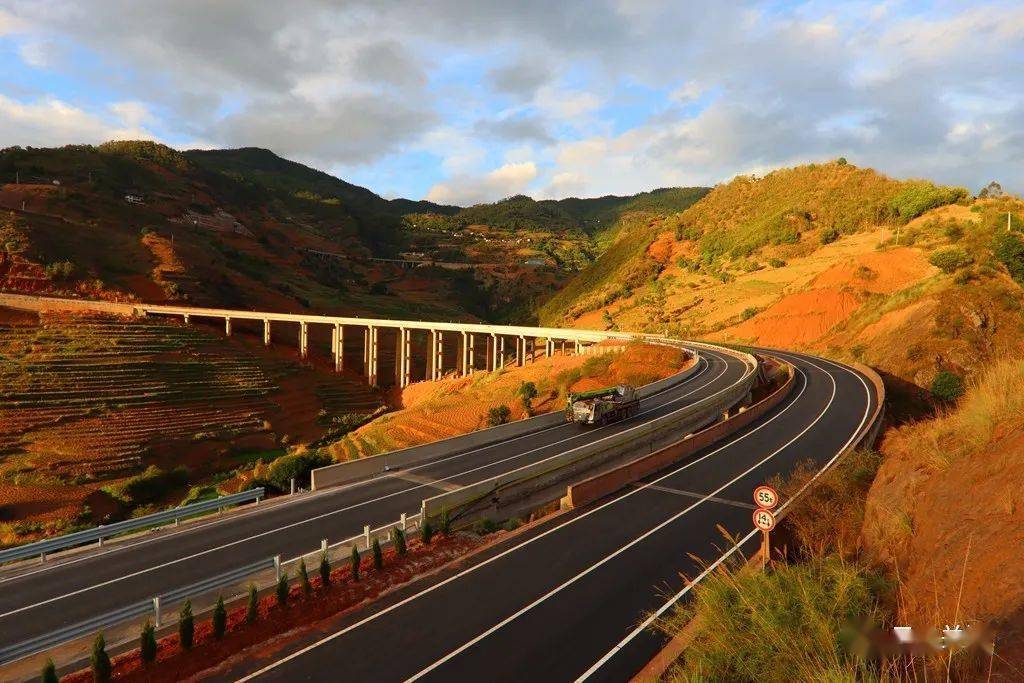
<point>25,302</point>
<point>364,468</point>
<point>485,498</point>
<point>606,483</point>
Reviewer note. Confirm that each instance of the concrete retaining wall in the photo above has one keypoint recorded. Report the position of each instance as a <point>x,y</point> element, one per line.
<point>364,468</point>
<point>609,482</point>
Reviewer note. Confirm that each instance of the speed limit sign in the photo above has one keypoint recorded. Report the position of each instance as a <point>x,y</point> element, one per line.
<point>766,497</point>
<point>764,520</point>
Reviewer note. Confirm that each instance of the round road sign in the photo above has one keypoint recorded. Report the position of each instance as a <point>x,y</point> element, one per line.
<point>764,519</point>
<point>766,497</point>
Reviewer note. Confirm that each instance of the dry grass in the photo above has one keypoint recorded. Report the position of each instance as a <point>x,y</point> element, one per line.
<point>993,400</point>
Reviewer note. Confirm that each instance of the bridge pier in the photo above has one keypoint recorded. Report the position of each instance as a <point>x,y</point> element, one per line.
<point>471,367</point>
<point>227,326</point>
<point>266,332</point>
<point>303,340</point>
<point>373,352</point>
<point>339,347</point>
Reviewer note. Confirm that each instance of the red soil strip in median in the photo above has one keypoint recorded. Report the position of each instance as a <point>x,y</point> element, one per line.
<point>300,614</point>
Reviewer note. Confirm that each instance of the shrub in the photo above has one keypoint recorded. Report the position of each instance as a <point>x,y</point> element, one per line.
<point>147,643</point>
<point>148,487</point>
<point>100,660</point>
<point>513,524</point>
<point>378,555</point>
<point>1009,249</point>
<point>252,609</point>
<point>527,392</point>
<point>426,533</point>
<point>950,260</point>
<point>446,522</point>
<point>947,386</point>
<point>829,235</point>
<point>307,587</point>
<point>919,196</point>
<point>749,313</point>
<point>841,161</point>
<point>498,415</point>
<point>484,526</point>
<point>220,618</point>
<point>399,538</point>
<point>186,626</point>
<point>325,570</point>
<point>296,466</point>
<point>49,673</point>
<point>282,589</point>
<point>354,563</point>
<point>776,263</point>
<point>61,270</point>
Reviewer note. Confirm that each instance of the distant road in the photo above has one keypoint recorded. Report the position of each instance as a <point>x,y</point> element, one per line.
<point>562,602</point>
<point>38,601</point>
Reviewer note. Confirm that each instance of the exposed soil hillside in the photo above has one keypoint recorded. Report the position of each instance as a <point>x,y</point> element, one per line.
<point>437,410</point>
<point>946,512</point>
<point>87,402</point>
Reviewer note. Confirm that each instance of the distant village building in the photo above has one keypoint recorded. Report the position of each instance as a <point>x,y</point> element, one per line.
<point>134,199</point>
<point>535,262</point>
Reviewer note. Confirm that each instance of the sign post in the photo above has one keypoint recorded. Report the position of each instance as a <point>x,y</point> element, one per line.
<point>766,498</point>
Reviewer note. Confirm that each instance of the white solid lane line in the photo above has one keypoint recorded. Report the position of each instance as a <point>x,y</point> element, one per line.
<point>700,577</point>
<point>322,516</point>
<point>515,548</point>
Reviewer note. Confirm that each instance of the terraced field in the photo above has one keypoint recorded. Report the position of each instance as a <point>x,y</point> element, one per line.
<point>87,400</point>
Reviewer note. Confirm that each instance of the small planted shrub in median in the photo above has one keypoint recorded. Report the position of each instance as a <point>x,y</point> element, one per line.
<point>49,674</point>
<point>100,660</point>
<point>355,563</point>
<point>307,587</point>
<point>252,611</point>
<point>147,643</point>
<point>186,626</point>
<point>426,533</point>
<point>378,555</point>
<point>325,570</point>
<point>220,618</point>
<point>446,522</point>
<point>282,589</point>
<point>399,538</point>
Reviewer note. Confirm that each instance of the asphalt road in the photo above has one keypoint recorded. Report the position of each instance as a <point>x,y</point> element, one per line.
<point>563,602</point>
<point>37,601</point>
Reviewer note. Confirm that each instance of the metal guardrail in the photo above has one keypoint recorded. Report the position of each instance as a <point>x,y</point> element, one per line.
<point>43,548</point>
<point>88,627</point>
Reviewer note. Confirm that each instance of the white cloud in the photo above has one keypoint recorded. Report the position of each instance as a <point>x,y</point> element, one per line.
<point>52,122</point>
<point>501,182</point>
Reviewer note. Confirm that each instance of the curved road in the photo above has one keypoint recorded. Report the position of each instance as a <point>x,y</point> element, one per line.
<point>37,601</point>
<point>563,601</point>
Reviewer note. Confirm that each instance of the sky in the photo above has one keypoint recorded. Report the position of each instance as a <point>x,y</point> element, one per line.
<point>469,101</point>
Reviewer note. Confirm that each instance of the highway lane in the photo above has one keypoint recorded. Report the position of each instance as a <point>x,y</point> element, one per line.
<point>557,603</point>
<point>66,593</point>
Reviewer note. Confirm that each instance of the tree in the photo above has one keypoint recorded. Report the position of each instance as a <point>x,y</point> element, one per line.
<point>49,674</point>
<point>354,561</point>
<point>378,555</point>
<point>426,533</point>
<point>1009,249</point>
<point>100,660</point>
<point>950,260</point>
<point>609,321</point>
<point>498,415</point>
<point>186,626</point>
<point>991,191</point>
<point>325,570</point>
<point>282,589</point>
<point>399,537</point>
<point>147,643</point>
<point>252,610</point>
<point>829,235</point>
<point>527,392</point>
<point>307,587</point>
<point>220,618</point>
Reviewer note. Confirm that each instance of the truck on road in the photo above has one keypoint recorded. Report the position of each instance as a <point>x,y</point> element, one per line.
<point>601,406</point>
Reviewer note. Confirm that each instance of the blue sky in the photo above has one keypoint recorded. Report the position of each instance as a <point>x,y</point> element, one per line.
<point>465,102</point>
